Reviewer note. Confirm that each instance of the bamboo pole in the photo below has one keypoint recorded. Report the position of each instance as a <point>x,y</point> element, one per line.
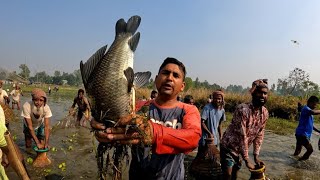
<point>15,157</point>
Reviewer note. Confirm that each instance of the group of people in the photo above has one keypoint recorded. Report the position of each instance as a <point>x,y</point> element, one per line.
<point>175,128</point>
<point>15,93</point>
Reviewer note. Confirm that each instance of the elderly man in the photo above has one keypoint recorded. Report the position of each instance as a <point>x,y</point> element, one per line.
<point>246,128</point>
<point>36,114</point>
<point>213,114</point>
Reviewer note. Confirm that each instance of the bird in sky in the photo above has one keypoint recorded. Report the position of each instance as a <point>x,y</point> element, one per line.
<point>295,42</point>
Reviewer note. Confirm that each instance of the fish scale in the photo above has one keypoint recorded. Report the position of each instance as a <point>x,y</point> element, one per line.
<point>106,83</point>
<point>108,79</point>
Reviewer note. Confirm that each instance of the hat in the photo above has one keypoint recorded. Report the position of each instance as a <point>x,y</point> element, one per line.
<point>260,83</point>
<point>36,93</point>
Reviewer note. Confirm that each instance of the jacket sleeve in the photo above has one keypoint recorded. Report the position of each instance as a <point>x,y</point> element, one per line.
<point>173,141</point>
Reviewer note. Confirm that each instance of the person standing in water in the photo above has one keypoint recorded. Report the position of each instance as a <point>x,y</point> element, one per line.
<point>83,108</point>
<point>15,93</point>
<point>36,114</point>
<point>246,128</point>
<point>4,98</point>
<point>305,127</point>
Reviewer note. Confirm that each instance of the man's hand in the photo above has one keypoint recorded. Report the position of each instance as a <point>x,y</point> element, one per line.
<point>5,161</point>
<point>249,164</point>
<point>258,161</point>
<point>40,145</point>
<point>128,130</point>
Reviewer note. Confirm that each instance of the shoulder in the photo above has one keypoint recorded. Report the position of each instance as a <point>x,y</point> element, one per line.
<point>46,107</point>
<point>4,92</point>
<point>265,110</point>
<point>27,104</point>
<point>208,107</point>
<point>243,107</point>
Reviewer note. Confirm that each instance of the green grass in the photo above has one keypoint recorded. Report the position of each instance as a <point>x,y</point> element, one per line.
<point>276,125</point>
<point>63,92</point>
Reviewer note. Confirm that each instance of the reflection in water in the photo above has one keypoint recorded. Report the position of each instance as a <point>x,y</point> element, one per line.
<point>75,148</point>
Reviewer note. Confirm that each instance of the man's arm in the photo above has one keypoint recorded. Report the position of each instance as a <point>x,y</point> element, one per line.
<point>315,112</point>
<point>172,141</point>
<point>315,129</point>
<point>87,103</point>
<point>205,128</point>
<point>46,131</point>
<point>223,118</point>
<point>33,134</point>
<point>74,103</point>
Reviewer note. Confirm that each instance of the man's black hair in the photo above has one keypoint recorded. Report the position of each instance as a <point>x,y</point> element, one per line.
<point>170,60</point>
<point>80,90</point>
<point>154,92</point>
<point>187,99</point>
<point>313,99</point>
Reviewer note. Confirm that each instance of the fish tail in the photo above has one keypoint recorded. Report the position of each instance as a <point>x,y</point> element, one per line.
<point>130,27</point>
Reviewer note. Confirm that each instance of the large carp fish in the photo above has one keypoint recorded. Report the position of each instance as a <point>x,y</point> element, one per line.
<point>109,80</point>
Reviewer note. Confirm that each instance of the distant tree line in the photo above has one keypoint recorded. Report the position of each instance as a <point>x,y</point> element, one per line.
<point>297,83</point>
<point>58,78</point>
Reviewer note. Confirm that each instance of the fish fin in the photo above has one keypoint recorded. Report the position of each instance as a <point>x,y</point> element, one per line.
<point>134,41</point>
<point>141,78</point>
<point>130,77</point>
<point>133,24</point>
<point>121,27</point>
<point>87,67</point>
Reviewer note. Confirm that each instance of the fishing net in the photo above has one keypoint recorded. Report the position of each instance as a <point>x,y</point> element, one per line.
<point>206,164</point>
<point>68,121</point>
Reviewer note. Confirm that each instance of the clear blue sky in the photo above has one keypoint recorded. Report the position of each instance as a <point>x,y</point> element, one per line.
<point>223,42</point>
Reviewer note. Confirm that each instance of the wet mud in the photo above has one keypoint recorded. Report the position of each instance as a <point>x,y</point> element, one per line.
<point>72,152</point>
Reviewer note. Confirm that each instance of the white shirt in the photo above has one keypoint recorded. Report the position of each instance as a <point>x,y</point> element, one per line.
<point>3,94</point>
<point>29,110</point>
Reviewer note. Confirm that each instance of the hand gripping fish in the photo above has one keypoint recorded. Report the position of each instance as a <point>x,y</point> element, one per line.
<point>108,78</point>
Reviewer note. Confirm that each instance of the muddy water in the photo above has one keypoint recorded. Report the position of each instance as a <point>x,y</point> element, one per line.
<point>76,148</point>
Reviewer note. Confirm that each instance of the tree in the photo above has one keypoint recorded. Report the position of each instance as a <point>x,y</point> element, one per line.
<point>196,83</point>
<point>293,84</point>
<point>25,71</point>
<point>57,73</point>
<point>3,73</point>
<point>189,83</point>
<point>78,77</point>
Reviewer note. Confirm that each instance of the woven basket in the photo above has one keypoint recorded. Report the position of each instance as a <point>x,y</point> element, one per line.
<point>258,173</point>
<point>207,162</point>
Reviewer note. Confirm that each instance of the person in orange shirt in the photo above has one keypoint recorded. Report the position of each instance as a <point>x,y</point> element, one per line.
<point>173,129</point>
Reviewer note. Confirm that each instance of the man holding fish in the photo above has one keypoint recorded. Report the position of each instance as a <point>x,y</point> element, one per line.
<point>172,129</point>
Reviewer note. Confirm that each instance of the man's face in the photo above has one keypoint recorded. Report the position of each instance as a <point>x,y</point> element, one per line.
<point>154,95</point>
<point>38,101</point>
<point>313,105</point>
<point>217,100</point>
<point>260,96</point>
<point>80,95</point>
<point>169,81</point>
<point>191,102</point>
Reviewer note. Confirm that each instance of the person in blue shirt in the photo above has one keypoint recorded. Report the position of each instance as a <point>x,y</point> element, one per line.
<point>305,127</point>
<point>212,115</point>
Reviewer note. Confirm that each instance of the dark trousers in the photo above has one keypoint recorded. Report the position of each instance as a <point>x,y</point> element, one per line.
<point>305,142</point>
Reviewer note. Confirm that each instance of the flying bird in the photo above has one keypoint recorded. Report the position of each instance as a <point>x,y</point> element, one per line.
<point>295,42</point>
